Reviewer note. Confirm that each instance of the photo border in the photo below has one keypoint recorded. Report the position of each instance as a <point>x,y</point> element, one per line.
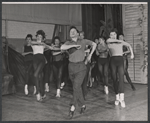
<point>83,2</point>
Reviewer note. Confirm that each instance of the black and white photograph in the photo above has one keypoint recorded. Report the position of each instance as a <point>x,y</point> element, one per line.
<point>74,61</point>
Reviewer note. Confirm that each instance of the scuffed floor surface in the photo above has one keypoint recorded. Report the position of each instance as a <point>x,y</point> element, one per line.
<point>100,107</point>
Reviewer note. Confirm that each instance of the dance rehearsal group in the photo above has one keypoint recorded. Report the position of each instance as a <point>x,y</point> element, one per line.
<point>83,56</point>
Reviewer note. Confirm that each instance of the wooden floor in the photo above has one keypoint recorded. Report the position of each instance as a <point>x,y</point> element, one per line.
<point>100,107</point>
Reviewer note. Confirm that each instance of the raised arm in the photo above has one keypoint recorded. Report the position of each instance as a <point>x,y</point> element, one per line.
<point>113,40</point>
<point>93,45</point>
<point>66,47</point>
<point>27,53</point>
<point>47,46</point>
<point>97,53</point>
<point>127,44</point>
<point>35,42</point>
<point>93,48</point>
<point>56,48</point>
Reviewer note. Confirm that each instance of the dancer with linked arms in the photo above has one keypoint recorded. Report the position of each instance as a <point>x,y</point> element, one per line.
<point>117,65</point>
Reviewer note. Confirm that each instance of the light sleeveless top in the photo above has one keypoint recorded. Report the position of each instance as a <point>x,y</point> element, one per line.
<point>38,49</point>
<point>115,49</point>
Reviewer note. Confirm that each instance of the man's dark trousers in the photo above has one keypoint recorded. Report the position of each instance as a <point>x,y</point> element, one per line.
<point>77,72</point>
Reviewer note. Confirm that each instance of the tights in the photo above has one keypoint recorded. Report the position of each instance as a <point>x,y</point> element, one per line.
<point>58,71</point>
<point>65,76</point>
<point>29,66</point>
<point>38,64</point>
<point>103,65</point>
<point>126,72</point>
<point>117,68</point>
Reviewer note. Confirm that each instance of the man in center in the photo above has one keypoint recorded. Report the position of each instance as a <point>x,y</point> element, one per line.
<point>77,67</point>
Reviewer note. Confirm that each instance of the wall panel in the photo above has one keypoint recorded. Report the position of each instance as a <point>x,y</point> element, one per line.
<point>132,30</point>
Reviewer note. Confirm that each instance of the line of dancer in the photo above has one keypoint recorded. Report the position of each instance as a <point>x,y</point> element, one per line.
<point>76,55</point>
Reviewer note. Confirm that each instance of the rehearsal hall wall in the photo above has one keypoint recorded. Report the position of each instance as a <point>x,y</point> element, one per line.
<point>18,20</point>
<point>16,32</point>
<point>65,14</point>
<point>135,31</point>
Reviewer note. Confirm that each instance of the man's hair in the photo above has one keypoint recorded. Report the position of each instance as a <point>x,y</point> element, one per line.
<point>113,30</point>
<point>73,27</point>
<point>29,36</point>
<point>41,32</point>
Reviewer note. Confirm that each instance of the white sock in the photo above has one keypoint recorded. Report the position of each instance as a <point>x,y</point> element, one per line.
<point>83,106</point>
<point>121,96</point>
<point>63,83</point>
<point>34,90</point>
<point>72,108</point>
<point>26,89</point>
<point>58,91</point>
<point>38,96</point>
<point>122,100</point>
<point>46,87</point>
<point>106,89</point>
<point>117,97</point>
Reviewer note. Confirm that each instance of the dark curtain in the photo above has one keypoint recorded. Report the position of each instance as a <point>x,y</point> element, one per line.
<point>91,16</point>
<point>16,66</point>
<point>117,17</point>
<point>98,20</point>
<point>61,31</point>
<point>113,18</point>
